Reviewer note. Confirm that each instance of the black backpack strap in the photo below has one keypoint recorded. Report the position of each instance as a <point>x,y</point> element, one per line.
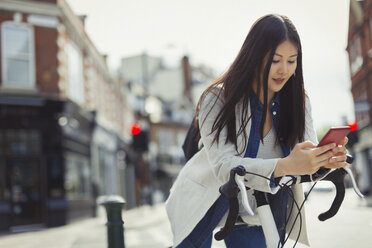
<point>190,145</point>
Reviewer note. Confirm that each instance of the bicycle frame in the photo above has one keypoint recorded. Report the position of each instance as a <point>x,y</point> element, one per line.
<point>236,184</point>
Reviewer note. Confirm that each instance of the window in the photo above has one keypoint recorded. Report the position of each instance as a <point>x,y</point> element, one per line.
<point>75,76</point>
<point>362,105</point>
<point>17,49</point>
<point>18,142</point>
<point>356,55</point>
<point>77,176</point>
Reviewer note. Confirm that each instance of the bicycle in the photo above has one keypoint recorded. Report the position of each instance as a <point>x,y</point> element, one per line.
<point>236,184</point>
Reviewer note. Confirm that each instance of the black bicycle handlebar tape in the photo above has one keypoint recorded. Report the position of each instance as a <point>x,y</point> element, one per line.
<point>230,190</point>
<point>231,219</point>
<point>349,159</point>
<point>337,178</point>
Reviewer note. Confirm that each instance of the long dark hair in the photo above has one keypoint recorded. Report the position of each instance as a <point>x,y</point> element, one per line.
<point>236,84</point>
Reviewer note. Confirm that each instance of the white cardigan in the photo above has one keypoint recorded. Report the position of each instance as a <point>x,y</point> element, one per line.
<point>196,187</point>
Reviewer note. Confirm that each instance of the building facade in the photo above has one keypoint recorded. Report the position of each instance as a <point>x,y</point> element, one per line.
<point>63,131</point>
<point>359,49</point>
<point>164,98</point>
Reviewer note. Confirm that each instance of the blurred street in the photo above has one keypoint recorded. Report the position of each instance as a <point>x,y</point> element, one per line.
<point>147,227</point>
<point>97,97</point>
<point>96,100</point>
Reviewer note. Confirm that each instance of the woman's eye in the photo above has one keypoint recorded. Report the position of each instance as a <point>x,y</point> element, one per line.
<point>292,62</point>
<point>275,61</point>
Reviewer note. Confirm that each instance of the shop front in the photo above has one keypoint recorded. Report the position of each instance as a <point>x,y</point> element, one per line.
<point>37,157</point>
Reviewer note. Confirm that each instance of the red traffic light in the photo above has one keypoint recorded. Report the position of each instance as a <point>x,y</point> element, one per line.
<point>135,129</point>
<point>353,126</point>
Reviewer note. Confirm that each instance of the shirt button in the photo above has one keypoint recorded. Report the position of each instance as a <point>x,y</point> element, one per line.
<point>274,113</point>
<point>273,103</point>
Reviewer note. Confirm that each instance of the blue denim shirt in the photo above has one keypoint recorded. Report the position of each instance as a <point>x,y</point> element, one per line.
<point>278,202</point>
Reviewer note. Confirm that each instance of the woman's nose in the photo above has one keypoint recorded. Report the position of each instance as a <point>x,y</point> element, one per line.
<point>283,68</point>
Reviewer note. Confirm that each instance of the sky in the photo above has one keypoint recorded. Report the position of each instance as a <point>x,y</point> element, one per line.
<point>211,33</point>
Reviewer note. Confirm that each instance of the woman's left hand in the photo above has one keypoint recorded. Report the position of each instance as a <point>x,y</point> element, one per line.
<point>339,156</point>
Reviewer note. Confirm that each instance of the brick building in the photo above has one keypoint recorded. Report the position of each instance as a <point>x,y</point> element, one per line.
<point>62,118</point>
<point>359,49</point>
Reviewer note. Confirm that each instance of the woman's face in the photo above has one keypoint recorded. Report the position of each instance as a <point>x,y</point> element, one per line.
<point>283,66</point>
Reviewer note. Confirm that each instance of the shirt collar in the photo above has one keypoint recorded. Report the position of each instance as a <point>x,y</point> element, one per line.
<point>274,102</point>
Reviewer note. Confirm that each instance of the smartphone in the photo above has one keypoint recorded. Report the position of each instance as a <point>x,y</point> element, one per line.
<point>334,135</point>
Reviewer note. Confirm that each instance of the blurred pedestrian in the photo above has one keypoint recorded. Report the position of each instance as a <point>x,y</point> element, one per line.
<point>256,115</point>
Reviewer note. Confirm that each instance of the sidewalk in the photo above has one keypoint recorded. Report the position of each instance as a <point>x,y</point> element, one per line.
<point>145,226</point>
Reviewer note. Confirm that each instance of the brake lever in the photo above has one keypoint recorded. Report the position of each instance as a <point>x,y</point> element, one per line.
<point>230,190</point>
<point>355,186</point>
<point>240,182</point>
<point>349,160</point>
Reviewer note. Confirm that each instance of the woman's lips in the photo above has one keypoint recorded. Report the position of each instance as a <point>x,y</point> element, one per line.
<point>278,80</point>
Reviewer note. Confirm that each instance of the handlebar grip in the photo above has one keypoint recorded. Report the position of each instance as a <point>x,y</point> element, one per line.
<point>337,178</point>
<point>336,204</point>
<point>231,219</point>
<point>230,190</point>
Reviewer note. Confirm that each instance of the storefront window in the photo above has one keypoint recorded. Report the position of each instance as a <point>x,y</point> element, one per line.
<point>77,176</point>
<point>20,142</point>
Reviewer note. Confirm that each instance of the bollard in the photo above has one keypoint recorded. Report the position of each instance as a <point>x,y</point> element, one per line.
<point>115,230</point>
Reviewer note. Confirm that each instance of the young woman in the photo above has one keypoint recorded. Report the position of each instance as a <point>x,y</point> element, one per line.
<point>256,115</point>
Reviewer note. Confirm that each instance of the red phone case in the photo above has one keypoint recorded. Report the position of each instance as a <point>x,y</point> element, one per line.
<point>334,135</point>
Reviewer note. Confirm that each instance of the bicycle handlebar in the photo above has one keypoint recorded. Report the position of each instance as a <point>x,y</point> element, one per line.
<point>337,178</point>
<point>231,189</point>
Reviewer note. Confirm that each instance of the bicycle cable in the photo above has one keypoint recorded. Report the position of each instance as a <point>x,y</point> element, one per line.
<point>299,208</point>
<point>294,202</point>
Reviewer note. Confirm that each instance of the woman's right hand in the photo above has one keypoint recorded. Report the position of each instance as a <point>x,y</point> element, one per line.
<point>305,159</point>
